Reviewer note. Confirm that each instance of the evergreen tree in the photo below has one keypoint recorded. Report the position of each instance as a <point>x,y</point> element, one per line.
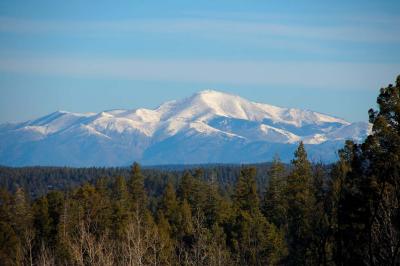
<point>137,190</point>
<point>121,206</point>
<point>300,202</point>
<point>185,226</point>
<point>164,232</point>
<point>64,228</point>
<point>105,205</point>
<point>253,234</point>
<point>23,225</point>
<point>194,190</point>
<point>274,205</point>
<point>186,187</point>
<point>169,208</point>
<point>321,243</point>
<point>369,209</point>
<point>217,209</point>
<point>42,221</point>
<point>382,152</point>
<point>335,196</point>
<point>10,251</point>
<point>246,197</point>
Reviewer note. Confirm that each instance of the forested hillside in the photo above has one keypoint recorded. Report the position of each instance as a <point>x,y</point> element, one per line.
<point>305,214</point>
<point>38,181</point>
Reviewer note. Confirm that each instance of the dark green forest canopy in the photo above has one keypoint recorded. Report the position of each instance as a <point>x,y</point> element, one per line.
<point>37,181</point>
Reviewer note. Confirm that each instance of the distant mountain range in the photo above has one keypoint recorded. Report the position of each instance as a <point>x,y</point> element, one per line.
<point>208,127</point>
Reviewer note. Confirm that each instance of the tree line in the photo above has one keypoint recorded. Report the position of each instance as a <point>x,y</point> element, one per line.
<point>40,180</point>
<point>306,214</point>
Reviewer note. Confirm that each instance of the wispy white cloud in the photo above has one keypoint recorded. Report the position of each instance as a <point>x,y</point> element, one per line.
<point>208,27</point>
<point>341,18</point>
<point>328,75</point>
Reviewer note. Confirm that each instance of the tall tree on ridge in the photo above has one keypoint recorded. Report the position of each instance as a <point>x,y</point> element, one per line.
<point>370,207</point>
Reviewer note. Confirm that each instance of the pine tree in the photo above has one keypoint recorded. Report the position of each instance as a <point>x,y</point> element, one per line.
<point>246,197</point>
<point>369,209</point>
<point>276,247</point>
<point>137,190</point>
<point>164,232</point>
<point>186,187</point>
<point>251,229</point>
<point>64,228</point>
<point>23,224</point>
<point>105,206</point>
<point>42,221</point>
<point>121,206</point>
<point>185,226</point>
<point>274,205</point>
<point>217,209</point>
<point>300,202</point>
<point>169,207</point>
<point>194,190</point>
<point>321,241</point>
<point>336,191</point>
<point>10,251</point>
<point>382,150</point>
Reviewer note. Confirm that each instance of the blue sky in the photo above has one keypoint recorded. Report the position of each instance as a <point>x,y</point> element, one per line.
<point>85,56</point>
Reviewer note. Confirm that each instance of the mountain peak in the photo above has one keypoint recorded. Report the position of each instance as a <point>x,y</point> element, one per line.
<point>208,91</point>
<point>214,93</point>
<point>209,103</point>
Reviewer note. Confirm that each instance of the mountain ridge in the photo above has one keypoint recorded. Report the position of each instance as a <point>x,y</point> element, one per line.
<point>214,126</point>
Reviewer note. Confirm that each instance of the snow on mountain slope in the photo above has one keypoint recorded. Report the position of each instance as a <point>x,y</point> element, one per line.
<point>209,103</point>
<point>211,126</point>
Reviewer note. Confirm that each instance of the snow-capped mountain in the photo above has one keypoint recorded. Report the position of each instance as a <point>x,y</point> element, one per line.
<point>208,127</point>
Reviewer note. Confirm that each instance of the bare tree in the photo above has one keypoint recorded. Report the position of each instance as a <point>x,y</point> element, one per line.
<point>45,257</point>
<point>141,244</point>
<point>89,249</point>
<point>28,237</point>
<point>156,247</point>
